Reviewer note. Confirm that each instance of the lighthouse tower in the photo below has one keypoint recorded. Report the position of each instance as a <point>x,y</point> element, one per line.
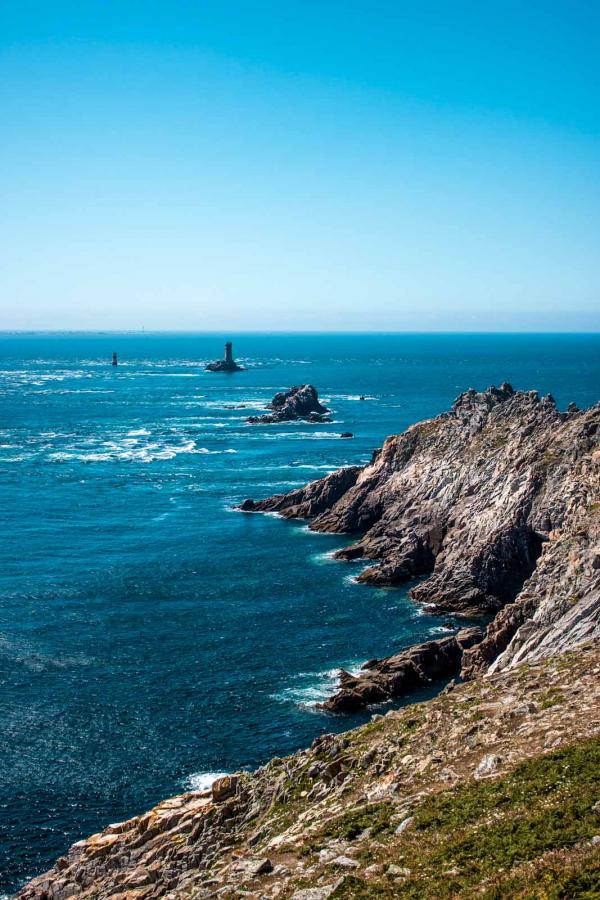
<point>227,364</point>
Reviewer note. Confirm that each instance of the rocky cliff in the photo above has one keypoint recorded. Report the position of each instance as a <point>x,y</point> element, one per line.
<point>491,790</point>
<point>494,506</point>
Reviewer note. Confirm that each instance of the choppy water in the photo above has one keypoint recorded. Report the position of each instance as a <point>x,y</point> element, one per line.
<point>148,634</point>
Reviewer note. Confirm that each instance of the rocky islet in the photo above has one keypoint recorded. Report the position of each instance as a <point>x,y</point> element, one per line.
<point>290,406</point>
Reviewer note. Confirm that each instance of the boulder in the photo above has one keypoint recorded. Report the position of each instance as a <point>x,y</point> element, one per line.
<point>225,787</point>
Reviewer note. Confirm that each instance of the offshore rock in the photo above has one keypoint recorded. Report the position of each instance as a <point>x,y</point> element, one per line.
<point>395,676</point>
<point>494,504</point>
<point>297,403</point>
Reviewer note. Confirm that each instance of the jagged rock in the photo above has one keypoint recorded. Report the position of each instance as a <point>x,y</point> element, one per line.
<point>224,788</point>
<point>345,862</point>
<point>346,434</point>
<point>312,500</point>
<point>297,403</point>
<point>252,868</point>
<point>316,893</point>
<point>395,676</point>
<point>489,765</point>
<point>404,824</point>
<point>495,502</point>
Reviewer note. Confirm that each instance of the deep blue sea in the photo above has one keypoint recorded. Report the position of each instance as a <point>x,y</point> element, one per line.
<point>149,634</point>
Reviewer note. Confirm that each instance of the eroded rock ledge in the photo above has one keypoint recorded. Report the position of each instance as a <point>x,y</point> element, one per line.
<point>395,676</point>
<point>289,406</point>
<point>495,504</point>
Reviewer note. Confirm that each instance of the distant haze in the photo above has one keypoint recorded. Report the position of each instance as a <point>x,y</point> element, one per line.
<point>299,165</point>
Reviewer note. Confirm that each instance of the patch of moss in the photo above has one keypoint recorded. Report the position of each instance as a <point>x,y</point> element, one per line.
<point>557,879</point>
<point>490,838</point>
<point>376,816</point>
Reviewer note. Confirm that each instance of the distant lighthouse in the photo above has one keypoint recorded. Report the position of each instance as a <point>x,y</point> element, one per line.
<point>227,364</point>
<point>115,361</point>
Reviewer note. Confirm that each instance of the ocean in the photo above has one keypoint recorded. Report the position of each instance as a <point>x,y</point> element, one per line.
<point>150,635</point>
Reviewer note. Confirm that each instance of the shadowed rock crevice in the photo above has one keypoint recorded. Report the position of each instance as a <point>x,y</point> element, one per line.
<point>494,577</point>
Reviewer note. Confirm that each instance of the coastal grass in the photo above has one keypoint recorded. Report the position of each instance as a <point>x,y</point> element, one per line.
<point>527,834</point>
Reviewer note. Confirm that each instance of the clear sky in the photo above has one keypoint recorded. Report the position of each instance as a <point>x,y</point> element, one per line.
<point>300,164</point>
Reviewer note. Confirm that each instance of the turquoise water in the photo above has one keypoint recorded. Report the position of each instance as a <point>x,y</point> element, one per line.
<point>148,633</point>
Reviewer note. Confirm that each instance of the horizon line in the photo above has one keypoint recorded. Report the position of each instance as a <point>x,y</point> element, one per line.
<point>281,331</point>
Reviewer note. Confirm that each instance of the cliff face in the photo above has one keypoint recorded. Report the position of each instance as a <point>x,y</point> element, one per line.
<point>490,790</point>
<point>496,503</point>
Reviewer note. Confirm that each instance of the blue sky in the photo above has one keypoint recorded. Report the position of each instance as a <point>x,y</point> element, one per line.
<point>299,165</point>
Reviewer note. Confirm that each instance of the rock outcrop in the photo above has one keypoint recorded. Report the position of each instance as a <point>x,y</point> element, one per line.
<point>488,790</point>
<point>297,403</point>
<point>495,505</point>
<point>395,676</point>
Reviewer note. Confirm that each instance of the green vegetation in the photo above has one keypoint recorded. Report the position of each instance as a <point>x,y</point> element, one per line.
<point>524,835</point>
<point>551,698</point>
<point>376,816</point>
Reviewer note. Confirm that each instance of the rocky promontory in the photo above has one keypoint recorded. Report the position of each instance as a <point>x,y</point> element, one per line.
<point>297,403</point>
<point>494,506</point>
<point>490,789</point>
<point>395,676</point>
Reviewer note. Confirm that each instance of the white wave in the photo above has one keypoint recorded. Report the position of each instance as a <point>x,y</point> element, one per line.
<point>294,435</point>
<point>314,468</point>
<point>323,558</point>
<point>213,452</point>
<point>312,688</point>
<point>352,397</point>
<point>305,529</point>
<point>351,579</point>
<point>127,449</point>
<point>238,404</point>
<point>273,484</point>
<point>203,781</point>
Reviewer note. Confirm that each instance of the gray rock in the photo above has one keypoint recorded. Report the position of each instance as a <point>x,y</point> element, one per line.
<point>404,824</point>
<point>297,403</point>
<point>345,862</point>
<point>316,893</point>
<point>488,765</point>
